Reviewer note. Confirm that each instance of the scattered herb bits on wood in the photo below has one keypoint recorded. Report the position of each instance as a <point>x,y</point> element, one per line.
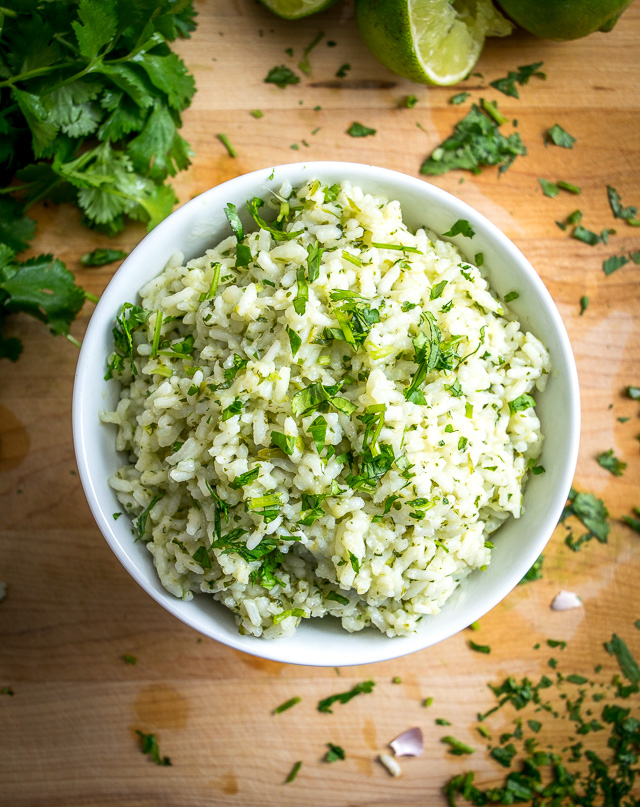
<point>102,257</point>
<point>294,772</point>
<point>521,76</point>
<point>281,76</point>
<point>287,705</point>
<point>560,137</point>
<point>611,463</point>
<point>359,130</point>
<point>334,753</point>
<point>149,746</point>
<point>344,697</point>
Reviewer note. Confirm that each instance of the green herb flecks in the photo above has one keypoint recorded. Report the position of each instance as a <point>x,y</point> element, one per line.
<point>141,522</point>
<point>304,64</point>
<point>245,479</point>
<point>281,76</point>
<point>359,130</point>
<point>592,513</point>
<point>611,463</point>
<point>102,256</point>
<point>298,613</point>
<point>284,442</point>
<point>278,234</point>
<point>584,304</point>
<point>507,85</point>
<point>479,648</point>
<point>612,264</point>
<point>344,697</point>
<point>294,772</point>
<point>286,705</point>
<point>628,665</point>
<point>521,403</point>
<point>560,137</point>
<point>426,347</point>
<point>317,396</point>
<point>233,218</point>
<point>476,142</point>
<point>459,98</point>
<point>334,753</point>
<point>628,214</point>
<point>456,747</point>
<point>149,746</point>
<point>227,144</point>
<point>461,227</point>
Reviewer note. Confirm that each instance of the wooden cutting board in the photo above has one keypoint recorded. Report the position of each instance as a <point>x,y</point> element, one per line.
<point>67,736</point>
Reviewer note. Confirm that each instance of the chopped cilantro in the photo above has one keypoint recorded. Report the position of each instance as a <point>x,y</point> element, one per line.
<point>232,410</point>
<point>409,101</point>
<point>245,479</point>
<point>286,705</point>
<point>617,647</point>
<point>333,595</point>
<point>611,463</point>
<point>281,76</point>
<point>285,442</point>
<point>521,403</point>
<point>511,296</point>
<point>278,235</point>
<point>476,142</point>
<point>612,264</point>
<point>549,188</point>
<point>634,393</point>
<point>584,304</point>
<point>560,137</point>
<point>257,113</point>
<point>296,612</point>
<point>102,256</point>
<point>359,130</point>
<point>457,747</point>
<point>586,236</point>
<point>294,772</point>
<point>141,521</point>
<point>459,98</point>
<point>461,227</point>
<point>592,513</point>
<point>294,341</point>
<point>304,64</point>
<point>149,746</point>
<point>568,186</point>
<point>505,755</point>
<point>480,648</point>
<point>344,697</point>
<point>334,753</point>
<point>634,523</point>
<point>355,563</point>
<point>507,85</point>
<point>234,221</point>
<point>129,659</point>
<point>7,691</point>
<point>628,214</point>
<point>227,144</point>
<point>342,71</point>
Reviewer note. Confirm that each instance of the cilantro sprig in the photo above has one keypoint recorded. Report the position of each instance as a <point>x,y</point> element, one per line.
<point>92,97</point>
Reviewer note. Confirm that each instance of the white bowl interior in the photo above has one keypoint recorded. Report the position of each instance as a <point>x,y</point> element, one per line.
<point>200,224</point>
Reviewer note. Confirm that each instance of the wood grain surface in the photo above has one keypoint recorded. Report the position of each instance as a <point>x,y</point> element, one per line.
<point>67,736</point>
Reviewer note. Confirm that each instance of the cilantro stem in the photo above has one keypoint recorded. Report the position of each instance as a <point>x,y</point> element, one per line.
<point>73,340</point>
<point>91,297</point>
<point>156,334</point>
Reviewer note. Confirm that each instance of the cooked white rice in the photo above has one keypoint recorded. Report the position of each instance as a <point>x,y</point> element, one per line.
<point>383,553</point>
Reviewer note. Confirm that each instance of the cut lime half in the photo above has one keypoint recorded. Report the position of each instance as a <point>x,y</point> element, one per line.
<point>295,9</point>
<point>430,41</point>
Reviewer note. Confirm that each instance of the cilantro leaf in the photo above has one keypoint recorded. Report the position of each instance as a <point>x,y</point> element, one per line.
<point>628,214</point>
<point>461,227</point>
<point>550,189</point>
<point>334,753</point>
<point>535,572</point>
<point>41,287</point>
<point>16,229</point>
<point>521,403</point>
<point>507,85</point>
<point>612,264</point>
<point>359,130</point>
<point>586,236</point>
<point>149,746</point>
<point>285,442</point>
<point>278,235</point>
<point>281,76</point>
<point>617,647</point>
<point>560,137</point>
<point>592,513</point>
<point>611,463</point>
<point>459,98</point>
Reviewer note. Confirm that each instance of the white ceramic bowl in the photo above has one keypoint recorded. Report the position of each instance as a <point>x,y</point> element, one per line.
<point>200,224</point>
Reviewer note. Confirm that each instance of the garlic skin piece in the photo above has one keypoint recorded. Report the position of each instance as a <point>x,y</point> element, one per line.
<point>565,601</point>
<point>408,744</point>
<point>390,764</point>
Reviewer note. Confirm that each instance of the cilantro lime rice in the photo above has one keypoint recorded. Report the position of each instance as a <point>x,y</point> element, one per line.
<point>328,416</point>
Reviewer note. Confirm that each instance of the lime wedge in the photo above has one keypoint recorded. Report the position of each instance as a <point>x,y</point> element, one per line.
<point>430,41</point>
<point>295,9</point>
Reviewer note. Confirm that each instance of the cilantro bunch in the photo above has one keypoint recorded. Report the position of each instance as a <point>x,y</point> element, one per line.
<point>91,97</point>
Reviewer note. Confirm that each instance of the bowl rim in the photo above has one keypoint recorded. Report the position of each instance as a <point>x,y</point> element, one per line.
<point>83,418</point>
